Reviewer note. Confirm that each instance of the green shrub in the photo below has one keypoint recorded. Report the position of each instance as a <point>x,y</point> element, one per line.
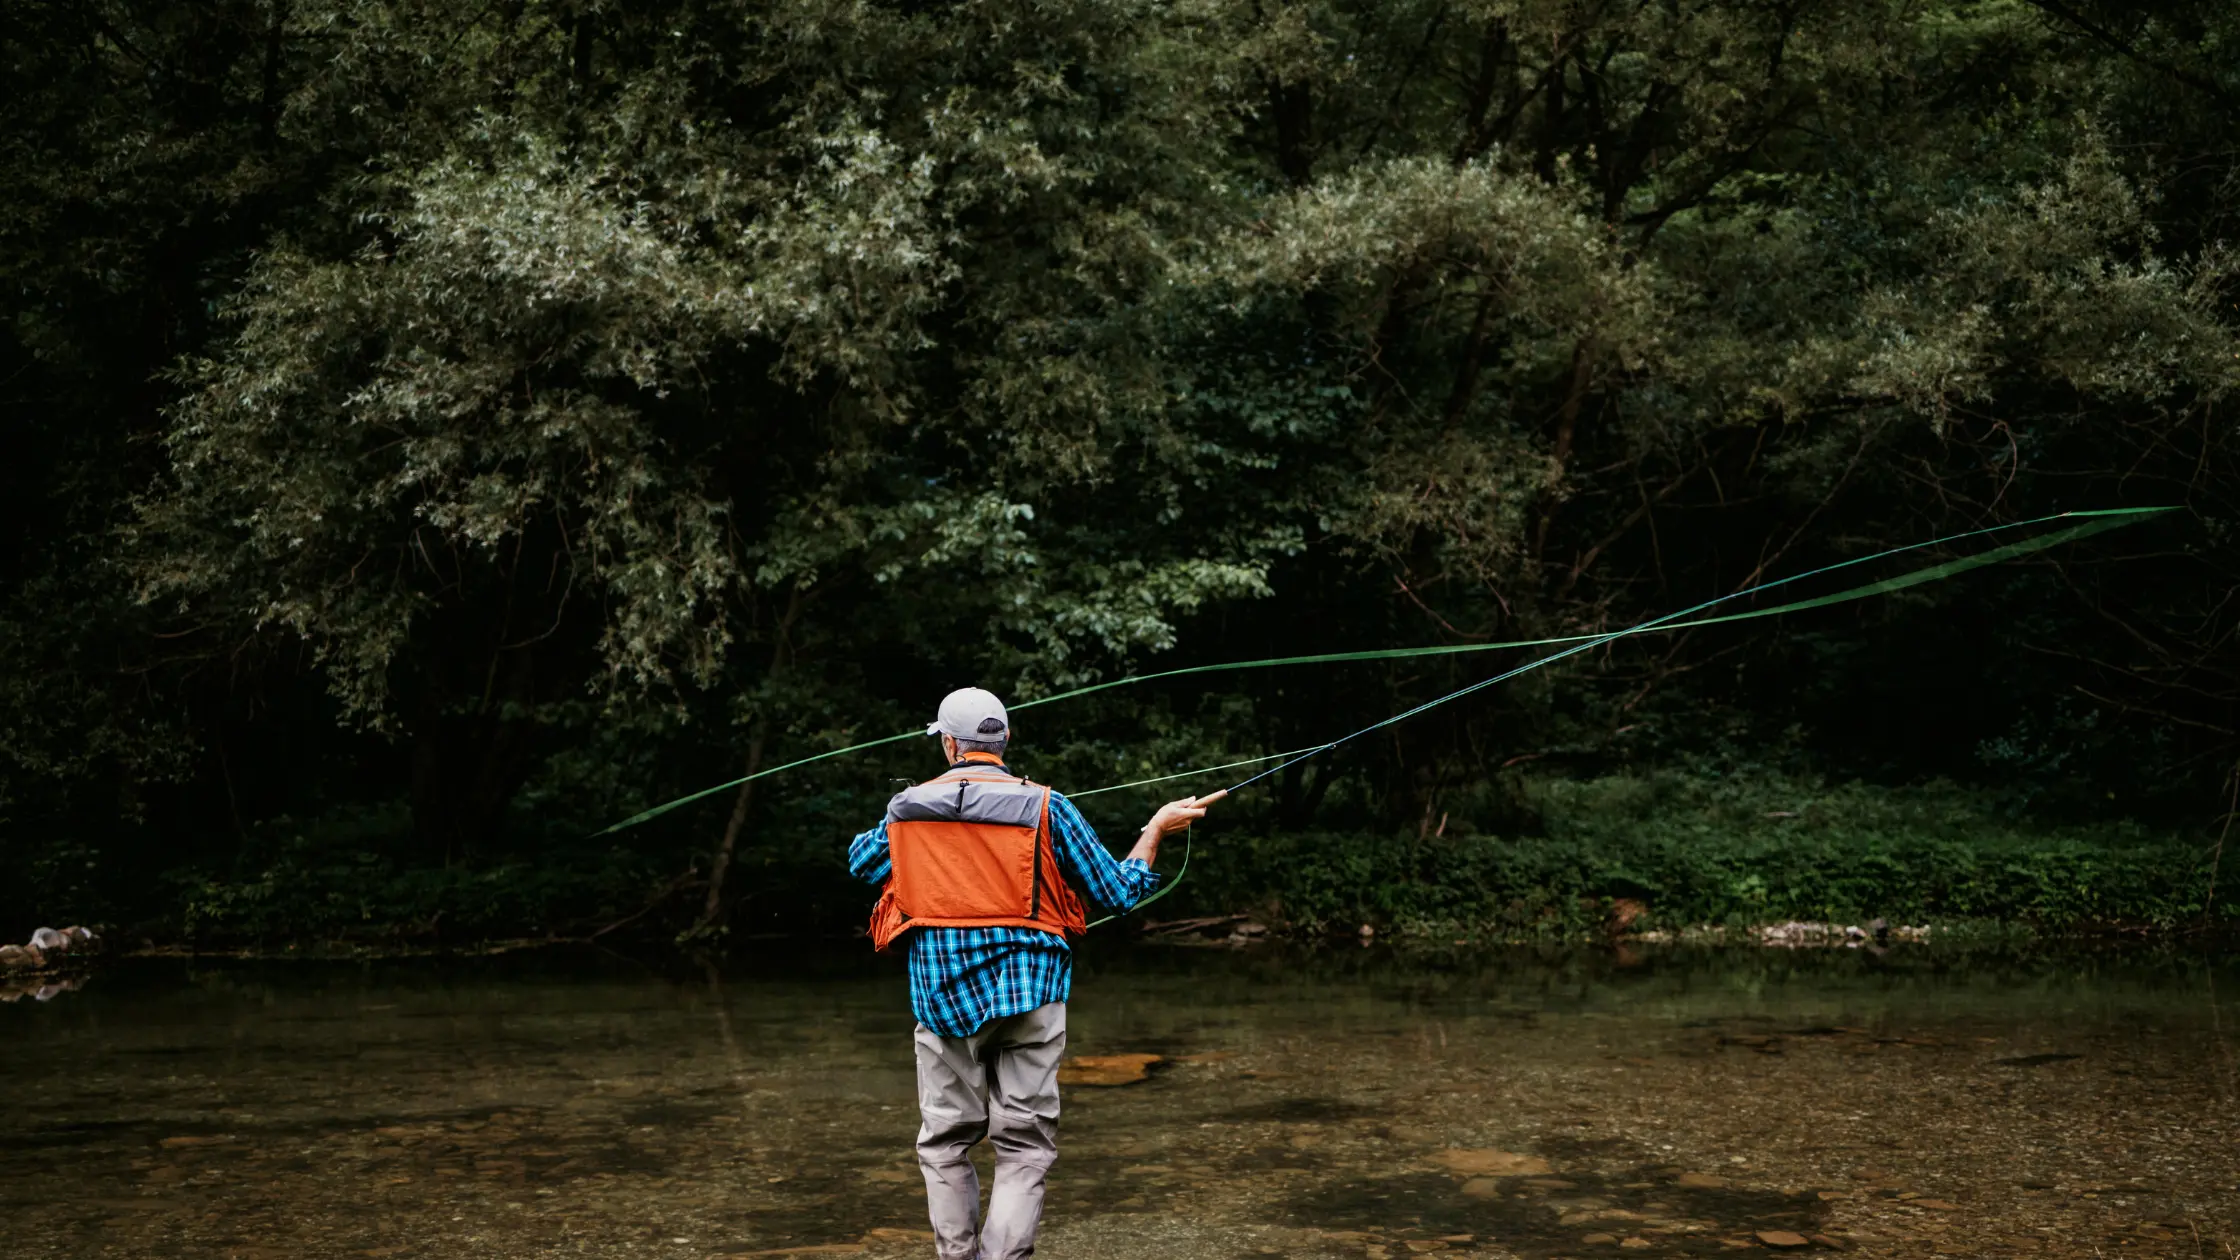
<point>334,881</point>
<point>1701,849</point>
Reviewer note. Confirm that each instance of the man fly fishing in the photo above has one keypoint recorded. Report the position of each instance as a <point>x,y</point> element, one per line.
<point>979,870</point>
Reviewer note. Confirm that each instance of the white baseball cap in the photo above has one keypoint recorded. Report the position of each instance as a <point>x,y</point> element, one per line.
<point>971,713</point>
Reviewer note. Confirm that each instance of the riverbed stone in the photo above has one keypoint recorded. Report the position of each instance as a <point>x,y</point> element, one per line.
<point>1700,1181</point>
<point>1492,1163</point>
<point>1106,1069</point>
<point>1782,1239</point>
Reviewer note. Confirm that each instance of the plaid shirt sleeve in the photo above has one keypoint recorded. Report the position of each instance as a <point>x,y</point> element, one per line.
<point>1110,882</point>
<point>868,857</point>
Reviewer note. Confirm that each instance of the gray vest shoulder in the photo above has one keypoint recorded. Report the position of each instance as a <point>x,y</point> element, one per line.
<point>1008,803</point>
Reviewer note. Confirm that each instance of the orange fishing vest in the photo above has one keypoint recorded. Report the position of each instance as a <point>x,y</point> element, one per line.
<point>972,849</point>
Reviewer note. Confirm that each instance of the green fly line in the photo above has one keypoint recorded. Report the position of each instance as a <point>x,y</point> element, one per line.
<point>1191,774</point>
<point>2099,522</point>
<point>2087,524</point>
<point>2091,522</point>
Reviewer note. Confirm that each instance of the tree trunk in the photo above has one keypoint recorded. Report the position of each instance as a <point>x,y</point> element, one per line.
<point>740,808</point>
<point>269,99</point>
<point>1567,424</point>
<point>1294,113</point>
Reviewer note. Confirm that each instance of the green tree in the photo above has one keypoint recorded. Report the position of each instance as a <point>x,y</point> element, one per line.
<point>521,412</point>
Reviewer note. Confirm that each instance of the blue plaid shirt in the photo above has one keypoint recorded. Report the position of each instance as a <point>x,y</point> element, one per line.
<point>960,978</point>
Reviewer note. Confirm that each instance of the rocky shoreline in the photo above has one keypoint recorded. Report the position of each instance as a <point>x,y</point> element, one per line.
<point>33,969</point>
<point>48,947</point>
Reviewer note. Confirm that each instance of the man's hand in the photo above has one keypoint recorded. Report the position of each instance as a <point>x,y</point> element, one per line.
<point>1177,816</point>
<point>1172,817</point>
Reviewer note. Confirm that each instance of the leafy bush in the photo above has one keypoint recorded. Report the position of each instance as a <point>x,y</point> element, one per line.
<point>1703,849</point>
<point>334,881</point>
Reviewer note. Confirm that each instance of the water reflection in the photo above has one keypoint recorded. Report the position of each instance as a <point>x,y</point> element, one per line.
<point>1357,1103</point>
<point>43,988</point>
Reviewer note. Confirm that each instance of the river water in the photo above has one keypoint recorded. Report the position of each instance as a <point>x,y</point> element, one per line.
<point>1355,1103</point>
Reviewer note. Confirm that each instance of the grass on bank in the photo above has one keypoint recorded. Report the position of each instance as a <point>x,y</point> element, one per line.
<point>1702,849</point>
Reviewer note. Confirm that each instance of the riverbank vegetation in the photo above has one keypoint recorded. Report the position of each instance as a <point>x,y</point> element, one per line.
<point>1563,858</point>
<point>436,430</point>
<point>1669,852</point>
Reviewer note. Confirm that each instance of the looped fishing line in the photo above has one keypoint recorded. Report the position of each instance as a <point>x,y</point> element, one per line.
<point>2092,522</point>
<point>2106,520</point>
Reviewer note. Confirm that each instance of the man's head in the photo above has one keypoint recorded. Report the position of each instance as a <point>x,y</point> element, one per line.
<point>971,720</point>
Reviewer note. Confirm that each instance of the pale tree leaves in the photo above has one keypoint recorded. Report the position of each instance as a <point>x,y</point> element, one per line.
<point>386,424</point>
<point>1503,286</point>
<point>2059,284</point>
<point>1016,319</point>
<point>904,301</point>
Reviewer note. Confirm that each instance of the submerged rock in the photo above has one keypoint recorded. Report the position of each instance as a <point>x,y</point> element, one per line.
<point>1106,1069</point>
<point>1490,1163</point>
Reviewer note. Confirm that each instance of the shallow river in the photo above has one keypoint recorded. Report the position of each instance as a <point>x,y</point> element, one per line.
<point>1356,1103</point>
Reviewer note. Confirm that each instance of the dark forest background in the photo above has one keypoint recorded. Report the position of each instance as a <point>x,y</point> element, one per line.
<point>434,430</point>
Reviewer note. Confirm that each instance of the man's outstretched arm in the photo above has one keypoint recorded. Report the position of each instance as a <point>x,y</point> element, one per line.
<point>1114,883</point>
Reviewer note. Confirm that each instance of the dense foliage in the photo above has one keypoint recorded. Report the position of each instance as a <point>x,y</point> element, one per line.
<point>435,430</point>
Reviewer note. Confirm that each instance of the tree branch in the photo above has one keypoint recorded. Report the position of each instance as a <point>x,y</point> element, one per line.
<point>2199,83</point>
